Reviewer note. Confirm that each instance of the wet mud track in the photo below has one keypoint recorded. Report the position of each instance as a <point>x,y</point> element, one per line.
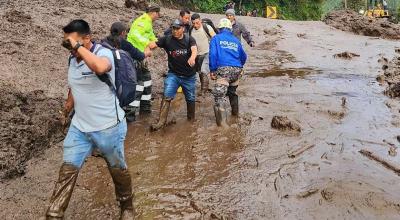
<point>250,170</point>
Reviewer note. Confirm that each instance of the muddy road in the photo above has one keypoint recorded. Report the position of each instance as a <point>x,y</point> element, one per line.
<point>250,170</point>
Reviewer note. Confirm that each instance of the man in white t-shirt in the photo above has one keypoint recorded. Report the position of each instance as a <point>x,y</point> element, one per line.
<point>98,122</point>
<point>202,33</point>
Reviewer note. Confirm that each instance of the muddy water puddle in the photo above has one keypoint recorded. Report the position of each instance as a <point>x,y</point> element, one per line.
<point>290,72</point>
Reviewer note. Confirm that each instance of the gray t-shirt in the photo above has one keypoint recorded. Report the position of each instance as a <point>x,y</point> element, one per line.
<point>94,102</point>
<point>202,39</point>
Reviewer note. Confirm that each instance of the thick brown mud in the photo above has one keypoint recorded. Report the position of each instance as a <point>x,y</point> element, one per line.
<point>29,123</point>
<point>250,170</point>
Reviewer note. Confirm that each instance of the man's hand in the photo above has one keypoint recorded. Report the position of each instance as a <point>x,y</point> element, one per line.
<point>152,45</point>
<point>69,43</point>
<point>69,104</point>
<point>147,52</point>
<point>192,61</point>
<point>213,76</point>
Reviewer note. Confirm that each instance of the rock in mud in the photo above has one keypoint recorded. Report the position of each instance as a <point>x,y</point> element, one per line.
<point>351,21</point>
<point>301,35</point>
<point>346,55</point>
<point>272,31</point>
<point>284,124</point>
<point>137,4</point>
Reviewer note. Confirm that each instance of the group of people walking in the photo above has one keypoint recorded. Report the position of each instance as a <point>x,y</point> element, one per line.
<point>193,45</point>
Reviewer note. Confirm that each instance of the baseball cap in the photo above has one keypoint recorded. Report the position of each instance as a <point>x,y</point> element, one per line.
<point>177,23</point>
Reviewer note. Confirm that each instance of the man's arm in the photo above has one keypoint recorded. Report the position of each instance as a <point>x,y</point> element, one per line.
<point>69,103</point>
<point>97,64</point>
<point>193,49</point>
<point>133,51</point>
<point>213,58</point>
<point>243,55</point>
<point>246,35</point>
<point>192,59</point>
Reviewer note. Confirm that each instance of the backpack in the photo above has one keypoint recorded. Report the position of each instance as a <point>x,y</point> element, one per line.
<point>206,22</point>
<point>125,75</point>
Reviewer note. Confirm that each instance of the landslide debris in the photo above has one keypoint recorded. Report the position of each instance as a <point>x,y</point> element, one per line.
<point>391,77</point>
<point>346,55</point>
<point>29,123</point>
<point>351,21</point>
<point>35,65</point>
<point>284,124</point>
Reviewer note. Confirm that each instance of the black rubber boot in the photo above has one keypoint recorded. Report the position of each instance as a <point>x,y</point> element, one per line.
<point>191,110</point>
<point>233,100</point>
<point>123,191</point>
<point>145,107</point>
<point>62,191</point>
<point>130,113</point>
<point>162,121</point>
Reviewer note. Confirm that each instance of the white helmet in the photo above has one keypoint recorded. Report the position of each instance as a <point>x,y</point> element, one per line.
<point>225,23</point>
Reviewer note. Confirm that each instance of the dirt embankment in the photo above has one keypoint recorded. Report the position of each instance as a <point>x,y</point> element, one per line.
<point>28,125</point>
<point>33,82</point>
<point>351,21</point>
<point>391,76</point>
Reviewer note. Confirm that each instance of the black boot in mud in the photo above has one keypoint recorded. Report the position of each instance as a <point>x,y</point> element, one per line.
<point>233,100</point>
<point>123,191</point>
<point>162,121</point>
<point>130,113</point>
<point>191,110</point>
<point>62,191</point>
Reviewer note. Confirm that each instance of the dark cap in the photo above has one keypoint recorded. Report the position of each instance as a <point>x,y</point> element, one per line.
<point>177,23</point>
<point>195,16</point>
<point>117,28</point>
<point>153,8</point>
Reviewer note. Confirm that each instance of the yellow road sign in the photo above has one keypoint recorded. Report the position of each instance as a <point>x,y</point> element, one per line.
<point>271,12</point>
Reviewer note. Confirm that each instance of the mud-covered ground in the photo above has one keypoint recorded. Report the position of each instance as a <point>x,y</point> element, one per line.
<point>33,81</point>
<point>251,170</point>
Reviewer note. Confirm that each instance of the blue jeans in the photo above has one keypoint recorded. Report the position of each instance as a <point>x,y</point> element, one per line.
<point>110,142</point>
<point>188,84</point>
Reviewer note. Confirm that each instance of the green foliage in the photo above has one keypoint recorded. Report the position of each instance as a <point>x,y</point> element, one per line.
<point>287,9</point>
<point>297,9</point>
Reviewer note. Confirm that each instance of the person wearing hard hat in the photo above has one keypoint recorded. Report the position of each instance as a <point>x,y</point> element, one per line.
<point>238,29</point>
<point>227,58</point>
